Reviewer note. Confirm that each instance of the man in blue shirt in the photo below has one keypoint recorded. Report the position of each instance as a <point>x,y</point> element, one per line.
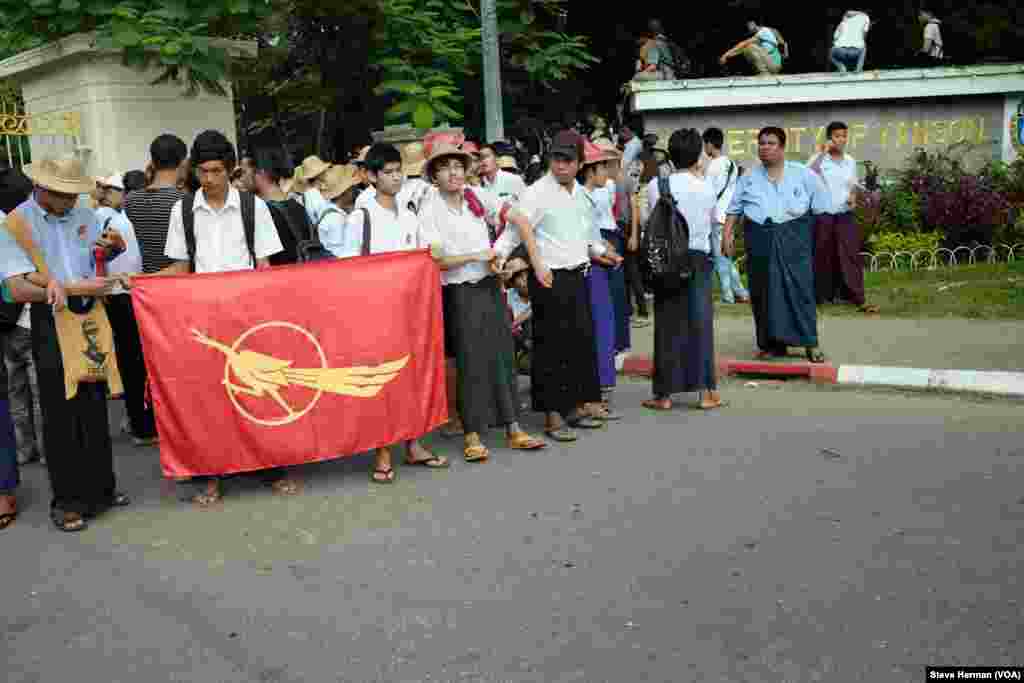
<point>765,49</point>
<point>76,431</point>
<point>778,200</point>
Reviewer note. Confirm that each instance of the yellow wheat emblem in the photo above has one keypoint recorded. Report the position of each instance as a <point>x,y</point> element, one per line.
<point>256,374</point>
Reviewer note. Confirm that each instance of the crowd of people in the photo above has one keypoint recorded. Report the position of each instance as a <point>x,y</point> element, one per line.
<point>766,51</point>
<point>541,278</point>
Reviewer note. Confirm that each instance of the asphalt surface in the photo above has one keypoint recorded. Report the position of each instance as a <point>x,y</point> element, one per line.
<point>804,534</point>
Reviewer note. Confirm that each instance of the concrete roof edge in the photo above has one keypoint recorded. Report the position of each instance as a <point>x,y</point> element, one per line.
<point>81,43</point>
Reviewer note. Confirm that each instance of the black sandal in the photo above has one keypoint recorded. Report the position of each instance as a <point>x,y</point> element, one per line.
<point>68,522</point>
<point>120,500</point>
<point>815,355</point>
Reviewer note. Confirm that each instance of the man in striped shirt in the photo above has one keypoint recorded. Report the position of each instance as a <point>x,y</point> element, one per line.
<point>149,209</point>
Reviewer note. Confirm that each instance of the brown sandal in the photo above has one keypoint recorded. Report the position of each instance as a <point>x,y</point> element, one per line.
<point>476,453</point>
<point>521,441</point>
<point>658,404</point>
<point>68,522</point>
<point>433,462</point>
<point>388,475</point>
<point>285,487</point>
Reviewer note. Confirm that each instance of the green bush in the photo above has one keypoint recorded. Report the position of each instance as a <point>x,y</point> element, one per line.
<point>908,243</point>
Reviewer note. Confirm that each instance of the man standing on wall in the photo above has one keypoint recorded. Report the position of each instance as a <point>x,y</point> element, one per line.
<point>838,239</point>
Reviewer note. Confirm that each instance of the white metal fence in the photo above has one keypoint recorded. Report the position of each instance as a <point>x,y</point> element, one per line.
<point>930,259</point>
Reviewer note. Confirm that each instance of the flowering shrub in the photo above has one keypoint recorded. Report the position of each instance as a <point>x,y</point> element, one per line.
<point>966,210</point>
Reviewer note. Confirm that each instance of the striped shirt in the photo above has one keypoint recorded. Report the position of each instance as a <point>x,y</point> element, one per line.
<point>150,214</point>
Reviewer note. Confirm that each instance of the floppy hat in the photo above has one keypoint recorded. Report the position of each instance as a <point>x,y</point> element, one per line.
<point>339,179</point>
<point>313,167</point>
<point>443,150</point>
<point>60,175</point>
<point>471,148</point>
<point>595,154</point>
<point>413,159</point>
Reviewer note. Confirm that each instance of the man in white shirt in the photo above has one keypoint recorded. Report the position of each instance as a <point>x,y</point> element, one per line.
<point>222,243</point>
<point>849,43</point>
<point>392,227</point>
<point>509,187</point>
<point>722,172</point>
<point>838,239</point>
<point>633,145</point>
<point>931,46</point>
<point>560,243</point>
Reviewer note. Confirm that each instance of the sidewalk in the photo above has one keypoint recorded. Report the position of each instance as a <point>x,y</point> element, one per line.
<point>868,345</point>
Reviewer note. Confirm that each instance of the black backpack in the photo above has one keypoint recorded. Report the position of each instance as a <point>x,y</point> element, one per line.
<point>188,221</point>
<point>308,246</point>
<point>665,247</point>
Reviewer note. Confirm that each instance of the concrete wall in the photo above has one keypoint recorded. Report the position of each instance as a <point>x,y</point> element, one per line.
<point>884,132</point>
<point>121,111</point>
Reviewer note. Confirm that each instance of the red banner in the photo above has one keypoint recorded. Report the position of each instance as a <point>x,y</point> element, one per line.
<point>251,370</point>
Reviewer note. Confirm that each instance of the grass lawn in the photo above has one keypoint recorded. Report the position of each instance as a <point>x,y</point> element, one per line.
<point>984,292</point>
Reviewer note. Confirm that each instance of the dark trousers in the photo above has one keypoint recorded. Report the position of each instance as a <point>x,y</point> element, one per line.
<point>838,272</point>
<point>634,283</point>
<point>128,347</point>
<point>9,476</point>
<point>79,455</point>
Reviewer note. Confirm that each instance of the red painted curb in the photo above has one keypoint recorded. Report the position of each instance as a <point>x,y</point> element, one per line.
<point>643,366</point>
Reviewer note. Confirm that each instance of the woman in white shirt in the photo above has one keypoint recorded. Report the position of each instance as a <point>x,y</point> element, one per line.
<point>684,348</point>
<point>459,224</point>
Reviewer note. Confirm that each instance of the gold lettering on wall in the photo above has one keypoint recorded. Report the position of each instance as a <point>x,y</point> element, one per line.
<point>939,130</point>
<point>920,135</point>
<point>752,141</point>
<point>735,142</point>
<point>796,137</point>
<point>858,134</point>
<point>955,136</point>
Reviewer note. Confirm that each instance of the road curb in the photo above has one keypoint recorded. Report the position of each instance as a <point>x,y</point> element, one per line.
<point>976,381</point>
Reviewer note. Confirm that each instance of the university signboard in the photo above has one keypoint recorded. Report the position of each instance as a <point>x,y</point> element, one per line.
<point>889,114</point>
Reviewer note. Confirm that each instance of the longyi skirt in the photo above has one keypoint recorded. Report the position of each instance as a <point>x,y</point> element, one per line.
<point>684,334</point>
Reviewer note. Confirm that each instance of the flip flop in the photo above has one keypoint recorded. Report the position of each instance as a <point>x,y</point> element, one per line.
<point>870,309</point>
<point>658,404</point>
<point>585,422</point>
<point>285,487</point>
<point>562,434</point>
<point>434,462</point>
<point>7,519</point>
<point>712,406</point>
<point>521,441</point>
<point>815,355</point>
<point>388,478</point>
<point>477,453</point>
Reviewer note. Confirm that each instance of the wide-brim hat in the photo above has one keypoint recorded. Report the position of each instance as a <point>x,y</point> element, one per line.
<point>60,175</point>
<point>313,167</point>
<point>512,268</point>
<point>338,180</point>
<point>595,154</point>
<point>443,150</point>
<point>414,158</point>
<point>507,163</point>
<point>471,148</point>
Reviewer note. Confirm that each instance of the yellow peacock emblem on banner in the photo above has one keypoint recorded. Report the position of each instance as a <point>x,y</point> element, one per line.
<point>259,375</point>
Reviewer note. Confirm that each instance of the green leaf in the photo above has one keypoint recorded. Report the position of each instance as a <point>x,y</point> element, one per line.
<point>404,87</point>
<point>126,36</point>
<point>69,5</point>
<point>423,115</point>
<point>404,107</point>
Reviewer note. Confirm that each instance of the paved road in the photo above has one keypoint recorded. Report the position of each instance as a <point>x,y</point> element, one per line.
<point>805,534</point>
<point>952,344</point>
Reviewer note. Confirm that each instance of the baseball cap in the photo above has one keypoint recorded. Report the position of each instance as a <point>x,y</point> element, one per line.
<point>567,144</point>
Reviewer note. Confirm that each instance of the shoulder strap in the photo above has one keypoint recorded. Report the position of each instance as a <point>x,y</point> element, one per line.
<point>728,180</point>
<point>248,201</point>
<point>188,223</point>
<point>21,231</point>
<point>367,232</point>
<point>284,213</point>
<point>664,191</point>
<point>325,214</point>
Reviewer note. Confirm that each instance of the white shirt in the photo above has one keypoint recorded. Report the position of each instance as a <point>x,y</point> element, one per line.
<point>631,151</point>
<point>220,236</point>
<point>506,186</point>
<point>561,222</point>
<point>366,197</point>
<point>932,33</point>
<point>460,233</point>
<point>718,174</point>
<point>695,200</point>
<point>328,220</point>
<point>840,177</point>
<point>389,230</point>
<point>852,31</point>
<point>130,260</point>
<point>600,201</point>
<point>25,318</point>
<point>414,191</point>
<point>516,302</point>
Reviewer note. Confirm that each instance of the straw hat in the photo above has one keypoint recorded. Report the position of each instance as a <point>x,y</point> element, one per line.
<point>338,180</point>
<point>414,158</point>
<point>507,163</point>
<point>471,148</point>
<point>313,167</point>
<point>443,150</point>
<point>61,175</point>
<point>594,154</point>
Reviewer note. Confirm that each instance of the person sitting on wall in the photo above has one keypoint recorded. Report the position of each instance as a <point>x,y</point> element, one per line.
<point>765,49</point>
<point>931,53</point>
<point>849,43</point>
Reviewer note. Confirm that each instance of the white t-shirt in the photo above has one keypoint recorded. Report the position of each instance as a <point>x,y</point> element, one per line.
<point>460,232</point>
<point>695,200</point>
<point>840,177</point>
<point>220,236</point>
<point>717,173</point>
<point>506,186</point>
<point>130,260</point>
<point>365,197</point>
<point>852,31</point>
